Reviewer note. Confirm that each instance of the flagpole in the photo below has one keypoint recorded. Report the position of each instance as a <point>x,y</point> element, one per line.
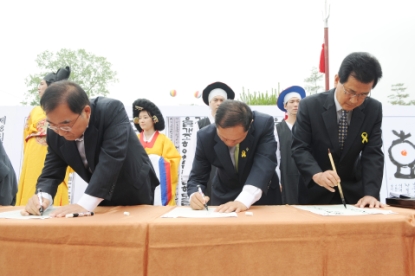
<point>326,43</point>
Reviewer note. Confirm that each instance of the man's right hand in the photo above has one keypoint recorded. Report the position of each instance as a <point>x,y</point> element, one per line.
<point>197,201</point>
<point>327,179</point>
<point>32,207</point>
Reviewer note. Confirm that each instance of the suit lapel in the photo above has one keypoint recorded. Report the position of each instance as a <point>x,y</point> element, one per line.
<point>330,121</point>
<point>244,147</point>
<point>222,152</point>
<point>73,158</point>
<point>89,141</point>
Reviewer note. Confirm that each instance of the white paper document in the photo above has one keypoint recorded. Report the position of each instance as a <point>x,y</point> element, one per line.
<point>16,215</point>
<point>339,210</point>
<point>187,212</point>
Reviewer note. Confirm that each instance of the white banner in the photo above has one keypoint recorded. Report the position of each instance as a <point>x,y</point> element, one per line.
<point>399,149</point>
<point>12,122</point>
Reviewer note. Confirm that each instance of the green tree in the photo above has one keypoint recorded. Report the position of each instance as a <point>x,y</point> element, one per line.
<point>259,98</point>
<point>313,82</point>
<point>399,97</point>
<point>91,72</point>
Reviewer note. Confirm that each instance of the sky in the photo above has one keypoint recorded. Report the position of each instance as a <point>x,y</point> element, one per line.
<point>159,46</point>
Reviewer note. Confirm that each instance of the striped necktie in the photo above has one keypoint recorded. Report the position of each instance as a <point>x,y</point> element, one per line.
<point>343,127</point>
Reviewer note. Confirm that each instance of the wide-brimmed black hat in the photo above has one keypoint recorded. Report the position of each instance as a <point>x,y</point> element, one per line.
<point>144,104</point>
<point>61,74</point>
<point>221,85</point>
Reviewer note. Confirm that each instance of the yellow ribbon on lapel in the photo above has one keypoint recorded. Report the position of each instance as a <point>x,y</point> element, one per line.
<point>243,154</point>
<point>365,137</point>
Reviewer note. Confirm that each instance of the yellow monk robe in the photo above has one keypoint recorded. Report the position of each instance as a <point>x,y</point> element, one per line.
<point>162,146</point>
<point>34,154</point>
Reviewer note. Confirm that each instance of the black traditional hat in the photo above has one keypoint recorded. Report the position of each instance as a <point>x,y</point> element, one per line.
<point>61,74</point>
<point>215,85</point>
<point>144,104</point>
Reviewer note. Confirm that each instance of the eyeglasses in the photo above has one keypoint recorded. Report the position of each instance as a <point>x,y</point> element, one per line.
<point>353,94</point>
<point>64,128</point>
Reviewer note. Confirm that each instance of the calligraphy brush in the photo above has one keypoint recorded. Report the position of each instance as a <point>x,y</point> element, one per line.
<point>338,184</point>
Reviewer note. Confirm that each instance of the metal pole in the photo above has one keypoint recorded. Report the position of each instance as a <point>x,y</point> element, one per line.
<point>326,57</point>
<point>326,44</point>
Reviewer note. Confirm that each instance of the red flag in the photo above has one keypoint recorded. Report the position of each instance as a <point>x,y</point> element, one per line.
<point>322,66</point>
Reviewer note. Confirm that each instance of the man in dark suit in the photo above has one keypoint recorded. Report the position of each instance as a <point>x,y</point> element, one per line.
<point>346,121</point>
<point>96,139</point>
<point>242,147</point>
<point>213,95</point>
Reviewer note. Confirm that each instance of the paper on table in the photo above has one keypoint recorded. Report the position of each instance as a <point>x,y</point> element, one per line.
<point>16,215</point>
<point>187,212</point>
<point>339,210</point>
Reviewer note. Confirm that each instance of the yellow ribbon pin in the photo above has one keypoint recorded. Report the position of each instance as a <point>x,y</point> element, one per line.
<point>243,154</point>
<point>364,138</point>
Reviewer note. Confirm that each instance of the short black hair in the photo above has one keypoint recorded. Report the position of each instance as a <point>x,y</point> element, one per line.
<point>64,92</point>
<point>363,66</point>
<point>233,113</point>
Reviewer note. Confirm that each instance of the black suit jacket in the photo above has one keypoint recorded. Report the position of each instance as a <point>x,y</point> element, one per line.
<point>360,163</point>
<point>119,170</point>
<point>256,166</point>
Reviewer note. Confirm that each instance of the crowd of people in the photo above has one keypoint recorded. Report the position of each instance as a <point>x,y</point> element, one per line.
<point>238,157</point>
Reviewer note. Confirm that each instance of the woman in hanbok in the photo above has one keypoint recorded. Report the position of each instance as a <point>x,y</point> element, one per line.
<point>35,148</point>
<point>163,154</point>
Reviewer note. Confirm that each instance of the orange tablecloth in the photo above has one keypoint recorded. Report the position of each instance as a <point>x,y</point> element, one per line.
<point>108,243</point>
<point>283,240</point>
<point>276,240</point>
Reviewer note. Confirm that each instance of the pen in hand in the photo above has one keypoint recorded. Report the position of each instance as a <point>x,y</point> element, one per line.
<point>200,192</point>
<point>39,195</point>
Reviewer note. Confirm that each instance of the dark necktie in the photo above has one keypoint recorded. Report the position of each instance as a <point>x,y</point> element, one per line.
<point>343,127</point>
<point>236,156</point>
